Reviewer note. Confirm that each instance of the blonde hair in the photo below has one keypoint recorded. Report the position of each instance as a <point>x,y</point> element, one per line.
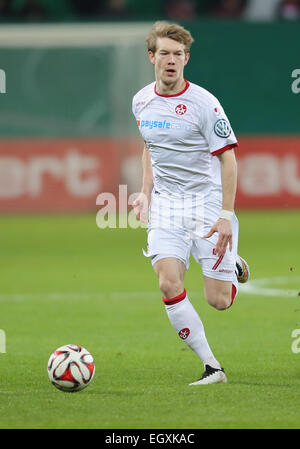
<point>170,30</point>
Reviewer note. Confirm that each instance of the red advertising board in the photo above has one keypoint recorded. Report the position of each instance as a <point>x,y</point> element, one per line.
<point>61,175</point>
<point>269,172</point>
<point>55,175</point>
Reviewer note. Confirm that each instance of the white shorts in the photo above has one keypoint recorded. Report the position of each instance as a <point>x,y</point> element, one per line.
<point>176,230</point>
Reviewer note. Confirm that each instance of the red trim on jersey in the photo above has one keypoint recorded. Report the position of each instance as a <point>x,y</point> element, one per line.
<point>228,147</point>
<point>187,84</point>
<point>175,300</point>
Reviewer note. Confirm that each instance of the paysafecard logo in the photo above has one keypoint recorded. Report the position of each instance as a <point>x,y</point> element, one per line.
<point>153,124</point>
<point>150,124</point>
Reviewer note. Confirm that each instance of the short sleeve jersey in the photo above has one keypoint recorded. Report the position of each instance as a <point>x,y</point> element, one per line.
<point>184,133</point>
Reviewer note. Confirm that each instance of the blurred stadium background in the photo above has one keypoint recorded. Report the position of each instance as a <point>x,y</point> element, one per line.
<point>67,132</point>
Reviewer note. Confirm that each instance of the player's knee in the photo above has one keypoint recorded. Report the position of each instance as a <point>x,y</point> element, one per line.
<point>170,287</point>
<point>220,301</point>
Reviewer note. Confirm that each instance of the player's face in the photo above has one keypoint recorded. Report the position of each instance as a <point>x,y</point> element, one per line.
<point>169,60</point>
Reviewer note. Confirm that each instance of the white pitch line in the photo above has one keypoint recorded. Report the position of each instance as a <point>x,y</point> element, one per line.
<point>261,287</point>
<point>275,280</point>
<point>62,296</point>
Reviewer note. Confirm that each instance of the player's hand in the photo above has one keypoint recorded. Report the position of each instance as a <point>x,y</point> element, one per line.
<point>141,207</point>
<point>224,229</point>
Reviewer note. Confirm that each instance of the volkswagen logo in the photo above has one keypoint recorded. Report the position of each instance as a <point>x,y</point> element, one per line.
<point>222,128</point>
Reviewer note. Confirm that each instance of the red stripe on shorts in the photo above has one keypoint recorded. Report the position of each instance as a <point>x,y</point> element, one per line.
<point>217,263</point>
<point>233,293</point>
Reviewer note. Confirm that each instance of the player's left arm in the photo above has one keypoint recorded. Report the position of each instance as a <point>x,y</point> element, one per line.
<point>229,183</point>
<point>229,178</point>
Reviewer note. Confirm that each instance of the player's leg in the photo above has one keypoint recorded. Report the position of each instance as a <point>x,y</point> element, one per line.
<point>170,272</point>
<point>221,274</point>
<point>181,313</point>
<point>242,268</point>
<point>221,293</point>
<point>218,293</point>
<point>220,286</point>
<point>169,247</point>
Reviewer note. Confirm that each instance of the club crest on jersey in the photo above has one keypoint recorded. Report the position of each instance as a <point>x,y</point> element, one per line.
<point>180,109</point>
<point>222,128</point>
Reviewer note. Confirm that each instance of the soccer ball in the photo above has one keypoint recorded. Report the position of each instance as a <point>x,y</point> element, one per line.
<point>71,368</point>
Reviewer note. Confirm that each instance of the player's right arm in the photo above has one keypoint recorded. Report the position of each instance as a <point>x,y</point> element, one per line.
<point>142,202</point>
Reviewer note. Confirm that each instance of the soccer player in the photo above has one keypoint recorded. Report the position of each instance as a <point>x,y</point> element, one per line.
<point>189,187</point>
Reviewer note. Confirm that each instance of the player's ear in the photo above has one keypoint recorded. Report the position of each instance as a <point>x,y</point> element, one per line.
<point>187,57</point>
<point>151,57</point>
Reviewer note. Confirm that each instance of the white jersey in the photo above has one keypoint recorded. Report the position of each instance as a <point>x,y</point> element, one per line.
<point>184,133</point>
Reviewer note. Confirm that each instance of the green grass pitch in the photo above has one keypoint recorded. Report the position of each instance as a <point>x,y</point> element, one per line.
<point>63,280</point>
